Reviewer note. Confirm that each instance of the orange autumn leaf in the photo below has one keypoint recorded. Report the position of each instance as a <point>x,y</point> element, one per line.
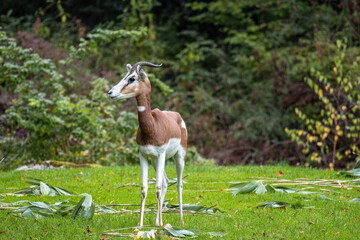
<point>279,173</point>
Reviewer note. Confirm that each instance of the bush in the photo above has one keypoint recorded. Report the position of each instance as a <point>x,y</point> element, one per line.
<point>44,121</point>
<point>331,135</point>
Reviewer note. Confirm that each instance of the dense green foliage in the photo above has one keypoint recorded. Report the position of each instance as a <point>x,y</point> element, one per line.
<point>328,214</point>
<point>236,68</point>
<point>79,127</point>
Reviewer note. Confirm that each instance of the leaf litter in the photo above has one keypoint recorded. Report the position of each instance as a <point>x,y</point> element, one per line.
<point>85,208</point>
<point>167,231</point>
<point>39,187</point>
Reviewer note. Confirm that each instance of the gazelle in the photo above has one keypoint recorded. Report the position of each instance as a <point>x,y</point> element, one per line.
<point>161,135</point>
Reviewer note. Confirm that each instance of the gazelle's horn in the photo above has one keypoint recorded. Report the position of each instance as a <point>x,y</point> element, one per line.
<point>145,64</point>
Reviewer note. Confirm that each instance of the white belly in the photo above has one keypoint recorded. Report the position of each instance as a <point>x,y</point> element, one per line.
<point>170,149</point>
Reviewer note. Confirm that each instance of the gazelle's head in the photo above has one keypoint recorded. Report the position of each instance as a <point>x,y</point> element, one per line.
<point>134,83</point>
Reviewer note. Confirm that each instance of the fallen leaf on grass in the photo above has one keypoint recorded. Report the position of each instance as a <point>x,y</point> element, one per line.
<point>170,231</point>
<point>105,209</point>
<point>355,200</point>
<point>85,208</point>
<point>195,208</point>
<point>292,190</point>
<point>146,234</point>
<point>279,204</point>
<point>165,232</point>
<point>357,164</point>
<point>252,187</point>
<point>259,188</point>
<point>39,187</point>
<point>28,213</point>
<point>323,197</point>
<point>279,173</point>
<point>353,172</point>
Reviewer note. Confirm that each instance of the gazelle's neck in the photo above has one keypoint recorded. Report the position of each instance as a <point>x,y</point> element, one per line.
<point>146,120</point>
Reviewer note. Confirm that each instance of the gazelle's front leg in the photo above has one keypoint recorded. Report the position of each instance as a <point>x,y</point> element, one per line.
<point>159,177</point>
<point>144,186</point>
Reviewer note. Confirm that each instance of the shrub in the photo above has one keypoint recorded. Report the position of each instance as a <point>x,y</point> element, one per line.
<point>331,135</point>
<point>44,121</point>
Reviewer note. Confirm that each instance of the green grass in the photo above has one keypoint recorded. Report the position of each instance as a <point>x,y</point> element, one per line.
<point>322,219</point>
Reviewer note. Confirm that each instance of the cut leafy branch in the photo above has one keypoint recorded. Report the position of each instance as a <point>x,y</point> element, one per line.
<point>39,187</point>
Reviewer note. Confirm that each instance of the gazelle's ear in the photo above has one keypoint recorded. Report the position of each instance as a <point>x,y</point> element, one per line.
<point>141,72</point>
<point>128,66</point>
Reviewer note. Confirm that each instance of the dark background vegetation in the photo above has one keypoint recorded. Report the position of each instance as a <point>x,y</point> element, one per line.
<point>236,68</point>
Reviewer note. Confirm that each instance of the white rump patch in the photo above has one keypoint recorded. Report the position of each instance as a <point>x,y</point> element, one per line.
<point>183,125</point>
<point>141,108</point>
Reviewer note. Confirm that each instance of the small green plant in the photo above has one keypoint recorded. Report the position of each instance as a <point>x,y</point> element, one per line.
<point>331,134</point>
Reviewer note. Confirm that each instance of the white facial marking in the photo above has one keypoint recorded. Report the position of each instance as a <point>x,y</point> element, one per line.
<point>141,108</point>
<point>115,91</point>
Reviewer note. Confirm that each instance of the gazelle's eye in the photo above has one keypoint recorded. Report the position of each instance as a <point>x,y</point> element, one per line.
<point>131,80</point>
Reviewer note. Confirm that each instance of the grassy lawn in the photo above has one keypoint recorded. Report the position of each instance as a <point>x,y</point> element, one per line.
<point>318,219</point>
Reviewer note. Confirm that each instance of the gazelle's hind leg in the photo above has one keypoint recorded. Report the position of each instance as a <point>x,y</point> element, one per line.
<point>180,163</point>
<point>164,187</point>
<point>165,184</point>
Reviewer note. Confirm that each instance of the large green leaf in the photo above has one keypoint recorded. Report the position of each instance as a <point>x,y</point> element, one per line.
<point>85,207</point>
<point>355,200</point>
<point>105,209</point>
<point>177,232</point>
<point>41,188</point>
<point>195,208</point>
<point>78,208</point>
<point>252,187</point>
<point>62,191</point>
<point>66,210</point>
<point>351,173</point>
<point>279,204</point>
<point>323,197</point>
<point>28,213</point>
<point>285,189</point>
<point>42,205</point>
<point>44,189</point>
<point>32,181</point>
<point>357,164</point>
<point>88,207</point>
